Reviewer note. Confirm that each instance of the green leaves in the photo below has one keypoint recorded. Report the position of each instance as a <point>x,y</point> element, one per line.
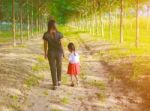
<point>61,10</point>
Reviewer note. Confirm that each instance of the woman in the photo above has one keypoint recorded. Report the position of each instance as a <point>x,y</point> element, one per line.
<point>53,50</point>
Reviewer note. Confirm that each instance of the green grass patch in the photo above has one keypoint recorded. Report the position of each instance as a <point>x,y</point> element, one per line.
<point>40,65</point>
<point>14,97</point>
<point>82,76</point>
<point>45,93</point>
<point>140,67</point>
<point>55,109</point>
<point>41,59</point>
<point>32,81</point>
<point>98,84</point>
<point>101,96</point>
<point>16,107</point>
<point>6,35</point>
<point>65,79</point>
<point>64,100</point>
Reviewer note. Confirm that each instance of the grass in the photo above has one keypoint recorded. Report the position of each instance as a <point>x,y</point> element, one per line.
<point>14,97</point>
<point>140,67</point>
<point>55,109</point>
<point>101,96</point>
<point>40,65</point>
<point>31,81</point>
<point>99,84</point>
<point>82,75</point>
<point>14,104</point>
<point>37,67</point>
<point>129,33</point>
<point>7,36</point>
<point>45,93</point>
<point>65,79</point>
<point>64,100</point>
<point>41,59</point>
<point>16,107</point>
<point>21,46</point>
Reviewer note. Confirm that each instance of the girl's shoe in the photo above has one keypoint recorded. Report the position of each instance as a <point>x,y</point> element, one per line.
<point>72,85</point>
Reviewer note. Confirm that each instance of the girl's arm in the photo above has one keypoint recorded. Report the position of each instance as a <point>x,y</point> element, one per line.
<point>45,49</point>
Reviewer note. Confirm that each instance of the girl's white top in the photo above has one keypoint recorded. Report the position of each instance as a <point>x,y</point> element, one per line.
<point>74,58</point>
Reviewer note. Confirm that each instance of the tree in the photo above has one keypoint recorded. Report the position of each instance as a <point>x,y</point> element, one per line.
<point>110,31</point>
<point>137,23</point>
<point>121,21</point>
<point>21,27</point>
<point>32,20</point>
<point>13,23</point>
<point>28,21</point>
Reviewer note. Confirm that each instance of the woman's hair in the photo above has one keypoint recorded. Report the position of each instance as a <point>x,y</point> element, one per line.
<point>71,47</point>
<point>52,25</point>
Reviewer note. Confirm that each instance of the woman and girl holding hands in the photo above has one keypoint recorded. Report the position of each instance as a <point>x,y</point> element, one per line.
<point>53,50</point>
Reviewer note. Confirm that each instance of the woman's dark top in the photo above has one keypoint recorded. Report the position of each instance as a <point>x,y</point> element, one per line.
<point>54,44</point>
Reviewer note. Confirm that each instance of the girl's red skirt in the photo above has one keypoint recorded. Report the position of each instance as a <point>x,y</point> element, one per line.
<point>73,69</point>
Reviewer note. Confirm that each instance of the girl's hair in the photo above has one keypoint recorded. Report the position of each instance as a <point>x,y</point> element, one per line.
<point>52,25</point>
<point>71,47</point>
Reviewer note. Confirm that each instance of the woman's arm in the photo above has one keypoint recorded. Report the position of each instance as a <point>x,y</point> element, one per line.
<point>45,49</point>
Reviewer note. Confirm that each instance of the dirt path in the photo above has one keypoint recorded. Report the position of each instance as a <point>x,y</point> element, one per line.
<point>92,94</point>
<point>26,76</point>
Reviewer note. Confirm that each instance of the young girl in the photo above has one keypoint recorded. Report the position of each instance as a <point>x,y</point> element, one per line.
<point>74,65</point>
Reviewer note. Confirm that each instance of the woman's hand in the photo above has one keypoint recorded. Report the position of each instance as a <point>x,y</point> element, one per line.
<point>45,49</point>
<point>65,58</point>
<point>45,56</point>
<point>63,55</point>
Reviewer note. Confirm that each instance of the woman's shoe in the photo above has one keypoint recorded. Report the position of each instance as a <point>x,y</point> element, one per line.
<point>72,85</point>
<point>59,83</point>
<point>54,87</point>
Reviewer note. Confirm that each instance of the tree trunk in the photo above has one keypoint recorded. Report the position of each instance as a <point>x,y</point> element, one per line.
<point>116,20</point>
<point>13,23</point>
<point>28,27</point>
<point>28,23</point>
<point>85,22</point>
<point>110,31</point>
<point>21,31</point>
<point>90,25</point>
<point>147,27</point>
<point>102,25</point>
<point>42,21</point>
<point>80,21</point>
<point>121,22</point>
<point>37,26</point>
<point>137,24</point>
<point>38,17</point>
<point>86,16</point>
<point>93,14</point>
<point>95,18</point>
<point>32,21</point>
<point>1,6</point>
<point>96,23</point>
